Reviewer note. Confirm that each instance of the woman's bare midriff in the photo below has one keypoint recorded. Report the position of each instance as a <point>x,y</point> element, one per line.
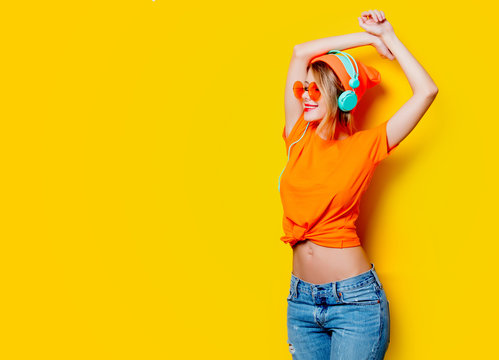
<point>319,265</point>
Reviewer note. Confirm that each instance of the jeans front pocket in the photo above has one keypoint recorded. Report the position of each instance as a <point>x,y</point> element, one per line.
<point>362,295</point>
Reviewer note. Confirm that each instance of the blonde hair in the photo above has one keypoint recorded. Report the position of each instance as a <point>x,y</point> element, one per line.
<point>331,87</point>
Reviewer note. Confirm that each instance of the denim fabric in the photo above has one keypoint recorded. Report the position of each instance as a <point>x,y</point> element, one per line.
<point>343,320</point>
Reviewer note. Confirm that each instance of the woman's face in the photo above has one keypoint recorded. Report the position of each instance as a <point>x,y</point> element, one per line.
<point>318,111</point>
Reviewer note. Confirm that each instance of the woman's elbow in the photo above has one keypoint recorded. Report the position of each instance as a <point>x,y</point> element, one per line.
<point>296,51</point>
<point>430,92</point>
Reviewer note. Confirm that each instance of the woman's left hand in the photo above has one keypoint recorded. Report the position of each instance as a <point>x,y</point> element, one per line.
<point>374,22</point>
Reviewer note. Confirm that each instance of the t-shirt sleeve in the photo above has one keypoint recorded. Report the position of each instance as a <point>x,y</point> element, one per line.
<point>376,141</point>
<point>296,131</point>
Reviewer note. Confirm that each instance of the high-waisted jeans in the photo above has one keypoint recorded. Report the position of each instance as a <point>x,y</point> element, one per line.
<point>343,320</point>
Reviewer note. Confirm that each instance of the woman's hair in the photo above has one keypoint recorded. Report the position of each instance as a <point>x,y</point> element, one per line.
<point>331,88</point>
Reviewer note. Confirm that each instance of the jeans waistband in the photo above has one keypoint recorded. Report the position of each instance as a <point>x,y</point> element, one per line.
<point>345,284</point>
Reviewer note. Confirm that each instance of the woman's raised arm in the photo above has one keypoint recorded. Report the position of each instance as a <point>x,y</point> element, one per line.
<point>423,88</point>
<point>341,42</point>
<point>375,23</point>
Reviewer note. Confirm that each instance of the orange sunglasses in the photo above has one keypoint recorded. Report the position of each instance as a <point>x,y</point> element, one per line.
<point>313,90</point>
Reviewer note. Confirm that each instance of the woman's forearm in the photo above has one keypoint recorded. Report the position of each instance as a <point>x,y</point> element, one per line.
<point>340,42</point>
<point>419,79</point>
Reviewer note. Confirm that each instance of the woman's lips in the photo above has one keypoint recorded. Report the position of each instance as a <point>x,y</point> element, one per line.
<point>310,108</point>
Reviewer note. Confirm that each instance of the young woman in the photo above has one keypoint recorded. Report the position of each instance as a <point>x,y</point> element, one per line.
<point>337,307</point>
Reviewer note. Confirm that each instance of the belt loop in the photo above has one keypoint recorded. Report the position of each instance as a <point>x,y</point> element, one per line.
<point>376,276</point>
<point>335,288</point>
<point>295,287</point>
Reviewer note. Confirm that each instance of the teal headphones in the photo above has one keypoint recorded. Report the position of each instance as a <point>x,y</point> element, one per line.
<point>348,99</point>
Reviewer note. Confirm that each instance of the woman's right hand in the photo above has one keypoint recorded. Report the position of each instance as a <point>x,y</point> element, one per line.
<point>375,23</point>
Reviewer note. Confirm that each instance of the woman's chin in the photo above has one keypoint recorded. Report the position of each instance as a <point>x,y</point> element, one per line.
<point>310,117</point>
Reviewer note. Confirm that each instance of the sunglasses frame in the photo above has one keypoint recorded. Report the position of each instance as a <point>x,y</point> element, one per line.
<point>299,89</point>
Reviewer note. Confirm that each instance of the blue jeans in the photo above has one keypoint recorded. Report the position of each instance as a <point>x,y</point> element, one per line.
<point>347,319</point>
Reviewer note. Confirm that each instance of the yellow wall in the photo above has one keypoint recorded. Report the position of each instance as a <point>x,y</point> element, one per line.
<point>140,154</point>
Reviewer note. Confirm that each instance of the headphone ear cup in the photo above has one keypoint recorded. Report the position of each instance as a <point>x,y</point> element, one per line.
<point>347,100</point>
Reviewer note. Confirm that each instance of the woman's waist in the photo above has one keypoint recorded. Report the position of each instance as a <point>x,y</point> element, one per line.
<point>319,264</point>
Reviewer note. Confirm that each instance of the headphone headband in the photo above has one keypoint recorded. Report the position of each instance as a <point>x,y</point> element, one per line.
<point>349,66</point>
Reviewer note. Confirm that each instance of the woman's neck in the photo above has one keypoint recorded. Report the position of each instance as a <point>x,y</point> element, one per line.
<point>340,134</point>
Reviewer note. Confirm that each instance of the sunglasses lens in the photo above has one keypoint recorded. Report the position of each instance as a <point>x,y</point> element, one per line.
<point>313,92</point>
<point>298,89</point>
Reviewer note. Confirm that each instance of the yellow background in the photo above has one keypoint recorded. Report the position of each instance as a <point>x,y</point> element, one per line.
<point>140,154</point>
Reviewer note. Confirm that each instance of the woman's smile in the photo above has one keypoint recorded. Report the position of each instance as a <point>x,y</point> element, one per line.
<point>309,107</point>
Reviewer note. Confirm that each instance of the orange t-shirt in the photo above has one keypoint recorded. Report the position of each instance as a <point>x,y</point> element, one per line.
<point>323,182</point>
